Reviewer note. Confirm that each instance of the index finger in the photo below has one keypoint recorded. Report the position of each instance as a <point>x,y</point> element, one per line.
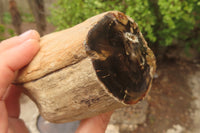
<point>17,40</point>
<point>14,59</point>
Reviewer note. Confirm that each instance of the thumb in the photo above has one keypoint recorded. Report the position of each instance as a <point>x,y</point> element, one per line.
<point>15,58</point>
<point>97,124</point>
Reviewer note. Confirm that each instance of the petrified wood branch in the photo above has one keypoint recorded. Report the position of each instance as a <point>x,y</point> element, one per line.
<point>99,65</point>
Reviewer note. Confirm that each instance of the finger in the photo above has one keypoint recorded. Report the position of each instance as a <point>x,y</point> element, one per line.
<point>16,126</point>
<point>21,55</point>
<point>3,118</point>
<point>11,99</point>
<point>17,40</point>
<point>97,124</point>
<point>14,59</point>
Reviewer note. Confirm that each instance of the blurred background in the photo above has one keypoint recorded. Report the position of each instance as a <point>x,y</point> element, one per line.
<point>172,30</point>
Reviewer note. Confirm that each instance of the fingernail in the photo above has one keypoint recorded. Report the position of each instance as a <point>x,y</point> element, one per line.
<point>30,34</point>
<point>25,33</point>
<point>31,42</point>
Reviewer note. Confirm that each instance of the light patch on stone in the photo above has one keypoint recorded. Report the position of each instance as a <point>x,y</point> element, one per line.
<point>131,37</point>
<point>194,84</point>
<point>176,129</point>
<point>112,129</point>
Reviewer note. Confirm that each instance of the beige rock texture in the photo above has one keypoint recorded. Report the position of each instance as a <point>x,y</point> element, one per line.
<point>65,80</point>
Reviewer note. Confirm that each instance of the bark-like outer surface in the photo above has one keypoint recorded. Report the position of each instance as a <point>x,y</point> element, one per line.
<point>67,80</point>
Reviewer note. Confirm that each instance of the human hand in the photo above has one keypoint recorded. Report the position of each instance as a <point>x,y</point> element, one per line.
<point>97,124</point>
<point>15,53</point>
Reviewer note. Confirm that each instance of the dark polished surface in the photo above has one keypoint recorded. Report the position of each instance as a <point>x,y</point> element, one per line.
<point>118,54</point>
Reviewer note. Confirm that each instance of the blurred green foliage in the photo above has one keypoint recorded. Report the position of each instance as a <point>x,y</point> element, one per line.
<point>161,21</point>
<point>3,31</point>
<point>27,17</point>
<point>7,18</point>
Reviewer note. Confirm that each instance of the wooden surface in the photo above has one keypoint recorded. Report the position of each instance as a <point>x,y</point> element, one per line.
<point>96,66</point>
<point>58,50</point>
<point>72,93</point>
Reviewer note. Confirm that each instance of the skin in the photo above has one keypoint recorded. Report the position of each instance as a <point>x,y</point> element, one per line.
<point>15,53</point>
